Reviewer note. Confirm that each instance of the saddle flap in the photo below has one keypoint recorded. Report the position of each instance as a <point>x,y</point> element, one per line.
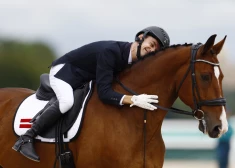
<point>70,116</point>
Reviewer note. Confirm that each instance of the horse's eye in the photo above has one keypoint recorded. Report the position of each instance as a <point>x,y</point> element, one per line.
<point>205,77</point>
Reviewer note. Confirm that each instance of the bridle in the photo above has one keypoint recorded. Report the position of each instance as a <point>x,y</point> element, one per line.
<point>197,104</point>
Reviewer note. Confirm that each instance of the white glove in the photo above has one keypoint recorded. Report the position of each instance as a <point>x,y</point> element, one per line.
<point>144,101</point>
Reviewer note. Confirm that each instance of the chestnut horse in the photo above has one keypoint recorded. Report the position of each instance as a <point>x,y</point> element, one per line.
<point>116,137</point>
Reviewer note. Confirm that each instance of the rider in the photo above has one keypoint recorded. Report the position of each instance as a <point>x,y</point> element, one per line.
<point>99,61</point>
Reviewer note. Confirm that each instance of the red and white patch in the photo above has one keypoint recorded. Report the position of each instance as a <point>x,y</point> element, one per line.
<point>25,123</point>
<point>26,111</point>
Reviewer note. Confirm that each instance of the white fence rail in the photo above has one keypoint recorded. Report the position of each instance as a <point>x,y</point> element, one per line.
<point>184,134</point>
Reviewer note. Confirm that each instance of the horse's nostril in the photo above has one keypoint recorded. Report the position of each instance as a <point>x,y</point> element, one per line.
<point>216,131</point>
<point>218,128</point>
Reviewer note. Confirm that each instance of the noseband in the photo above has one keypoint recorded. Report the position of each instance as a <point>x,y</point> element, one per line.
<point>197,104</point>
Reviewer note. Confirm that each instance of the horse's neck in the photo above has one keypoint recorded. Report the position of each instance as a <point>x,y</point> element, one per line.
<point>156,75</point>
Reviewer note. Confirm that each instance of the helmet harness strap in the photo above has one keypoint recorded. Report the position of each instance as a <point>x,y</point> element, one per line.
<point>140,41</point>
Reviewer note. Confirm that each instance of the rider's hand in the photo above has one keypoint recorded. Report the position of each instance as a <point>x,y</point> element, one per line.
<point>144,101</point>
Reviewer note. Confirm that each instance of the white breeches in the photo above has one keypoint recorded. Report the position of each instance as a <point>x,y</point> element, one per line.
<point>63,91</point>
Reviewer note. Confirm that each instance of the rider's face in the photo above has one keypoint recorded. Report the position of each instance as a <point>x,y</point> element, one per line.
<point>149,45</point>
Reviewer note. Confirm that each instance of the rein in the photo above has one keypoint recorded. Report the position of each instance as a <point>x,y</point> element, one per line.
<point>197,104</point>
<point>172,109</point>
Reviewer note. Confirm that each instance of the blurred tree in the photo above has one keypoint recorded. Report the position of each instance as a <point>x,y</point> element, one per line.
<point>21,64</point>
<point>180,105</point>
<point>230,97</point>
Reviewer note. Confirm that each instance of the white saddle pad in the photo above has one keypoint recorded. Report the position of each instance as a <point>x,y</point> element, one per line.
<point>30,107</point>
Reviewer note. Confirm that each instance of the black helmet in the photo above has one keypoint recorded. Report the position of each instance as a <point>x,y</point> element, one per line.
<point>156,32</point>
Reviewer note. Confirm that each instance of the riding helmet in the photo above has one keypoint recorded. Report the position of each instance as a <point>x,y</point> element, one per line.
<point>156,32</point>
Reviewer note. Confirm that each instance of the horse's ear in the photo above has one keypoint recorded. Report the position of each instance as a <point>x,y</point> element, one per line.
<point>218,47</point>
<point>209,44</point>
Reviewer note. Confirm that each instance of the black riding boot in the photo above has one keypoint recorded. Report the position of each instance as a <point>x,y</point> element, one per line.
<point>24,144</point>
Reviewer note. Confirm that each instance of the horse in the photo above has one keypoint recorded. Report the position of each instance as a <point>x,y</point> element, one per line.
<point>130,137</point>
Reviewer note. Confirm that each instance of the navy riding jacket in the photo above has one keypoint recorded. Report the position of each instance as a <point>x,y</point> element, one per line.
<point>99,61</point>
